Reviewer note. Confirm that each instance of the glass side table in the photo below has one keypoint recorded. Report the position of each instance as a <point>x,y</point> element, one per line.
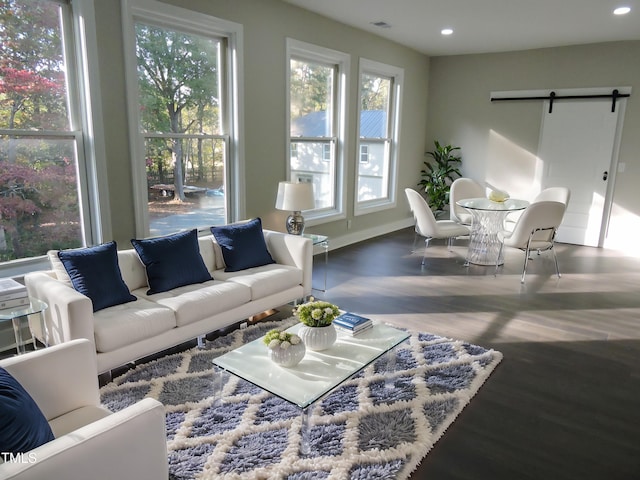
<point>19,317</point>
<point>320,241</point>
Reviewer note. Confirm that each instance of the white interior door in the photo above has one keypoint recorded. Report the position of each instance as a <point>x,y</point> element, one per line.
<point>576,149</point>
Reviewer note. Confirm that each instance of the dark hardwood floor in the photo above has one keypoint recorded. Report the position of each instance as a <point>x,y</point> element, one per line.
<point>565,401</point>
<point>564,404</point>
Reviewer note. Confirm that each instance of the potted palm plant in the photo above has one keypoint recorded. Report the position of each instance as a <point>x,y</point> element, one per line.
<point>438,175</point>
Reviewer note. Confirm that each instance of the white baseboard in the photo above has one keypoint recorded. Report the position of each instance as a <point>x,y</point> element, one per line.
<point>361,235</point>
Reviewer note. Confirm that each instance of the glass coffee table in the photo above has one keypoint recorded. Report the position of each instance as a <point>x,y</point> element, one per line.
<point>317,374</point>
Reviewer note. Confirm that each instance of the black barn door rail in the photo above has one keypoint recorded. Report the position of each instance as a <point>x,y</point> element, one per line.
<point>615,95</point>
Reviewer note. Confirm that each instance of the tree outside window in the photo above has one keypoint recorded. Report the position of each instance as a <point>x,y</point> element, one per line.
<point>39,148</point>
<point>180,112</point>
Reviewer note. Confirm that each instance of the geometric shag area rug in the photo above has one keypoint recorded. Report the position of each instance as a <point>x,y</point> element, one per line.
<point>361,430</point>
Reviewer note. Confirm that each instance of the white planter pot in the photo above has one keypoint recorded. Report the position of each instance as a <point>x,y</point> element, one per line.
<point>288,357</point>
<point>318,338</point>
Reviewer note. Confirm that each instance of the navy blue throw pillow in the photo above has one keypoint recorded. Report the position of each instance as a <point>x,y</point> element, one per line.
<point>94,272</point>
<point>242,245</point>
<point>22,424</point>
<point>172,261</point>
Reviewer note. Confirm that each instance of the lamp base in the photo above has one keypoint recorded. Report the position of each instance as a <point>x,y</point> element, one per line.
<point>295,223</point>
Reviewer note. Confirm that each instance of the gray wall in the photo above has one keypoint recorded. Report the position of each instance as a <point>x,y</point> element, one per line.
<point>267,23</point>
<point>497,138</point>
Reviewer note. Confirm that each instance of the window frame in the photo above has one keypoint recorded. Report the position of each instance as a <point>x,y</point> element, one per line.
<point>167,16</point>
<point>391,141</point>
<point>298,50</point>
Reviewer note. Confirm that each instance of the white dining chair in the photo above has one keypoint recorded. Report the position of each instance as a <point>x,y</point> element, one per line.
<point>551,194</point>
<point>554,194</point>
<point>535,230</point>
<point>426,224</point>
<point>462,188</point>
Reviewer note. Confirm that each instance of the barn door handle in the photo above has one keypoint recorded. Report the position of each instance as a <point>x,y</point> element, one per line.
<point>605,175</point>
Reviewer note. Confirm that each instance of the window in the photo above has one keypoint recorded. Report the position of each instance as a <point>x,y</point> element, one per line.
<point>326,152</point>
<point>43,169</point>
<point>317,99</point>
<point>364,153</point>
<point>185,109</point>
<point>379,104</point>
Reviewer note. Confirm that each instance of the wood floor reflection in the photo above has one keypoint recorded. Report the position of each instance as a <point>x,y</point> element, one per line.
<point>565,401</point>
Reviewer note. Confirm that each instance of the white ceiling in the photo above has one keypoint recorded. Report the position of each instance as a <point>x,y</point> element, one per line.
<point>483,26</point>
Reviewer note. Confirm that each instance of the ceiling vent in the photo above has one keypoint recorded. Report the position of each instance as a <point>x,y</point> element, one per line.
<point>381,24</point>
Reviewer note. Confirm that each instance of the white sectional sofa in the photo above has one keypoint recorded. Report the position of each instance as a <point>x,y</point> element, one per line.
<point>154,322</point>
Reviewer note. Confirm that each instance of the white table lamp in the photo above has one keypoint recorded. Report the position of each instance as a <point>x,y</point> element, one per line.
<point>295,197</point>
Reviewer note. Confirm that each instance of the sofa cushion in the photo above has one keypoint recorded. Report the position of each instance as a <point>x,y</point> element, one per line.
<point>95,273</point>
<point>58,267</point>
<point>132,269</point>
<point>265,280</point>
<point>192,303</point>
<point>78,418</point>
<point>172,261</point>
<point>208,253</point>
<point>243,245</point>
<point>22,424</point>
<point>125,324</point>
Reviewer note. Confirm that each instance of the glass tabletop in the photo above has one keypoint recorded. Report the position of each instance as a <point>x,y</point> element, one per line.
<point>319,372</point>
<point>316,239</point>
<point>34,306</point>
<point>483,203</point>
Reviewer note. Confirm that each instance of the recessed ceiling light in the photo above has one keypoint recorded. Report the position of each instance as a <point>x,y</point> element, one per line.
<point>446,31</point>
<point>621,11</point>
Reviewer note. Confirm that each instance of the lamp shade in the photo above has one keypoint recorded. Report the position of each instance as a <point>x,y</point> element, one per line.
<point>295,197</point>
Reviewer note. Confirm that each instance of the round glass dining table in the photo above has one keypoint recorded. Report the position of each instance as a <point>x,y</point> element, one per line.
<point>488,219</point>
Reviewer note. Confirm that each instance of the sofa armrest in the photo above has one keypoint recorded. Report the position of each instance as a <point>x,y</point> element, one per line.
<point>293,250</point>
<point>60,379</point>
<point>130,443</point>
<point>70,314</point>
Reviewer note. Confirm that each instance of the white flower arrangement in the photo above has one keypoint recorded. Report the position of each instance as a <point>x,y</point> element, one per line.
<point>316,313</point>
<point>277,339</point>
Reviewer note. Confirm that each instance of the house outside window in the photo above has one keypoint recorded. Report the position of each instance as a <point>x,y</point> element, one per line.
<point>44,163</point>
<point>317,118</point>
<point>186,161</point>
<point>379,112</point>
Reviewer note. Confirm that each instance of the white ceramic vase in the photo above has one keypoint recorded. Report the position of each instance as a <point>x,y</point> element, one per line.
<point>318,338</point>
<point>288,357</point>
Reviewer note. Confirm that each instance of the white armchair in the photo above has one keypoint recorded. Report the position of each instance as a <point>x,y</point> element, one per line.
<point>91,442</point>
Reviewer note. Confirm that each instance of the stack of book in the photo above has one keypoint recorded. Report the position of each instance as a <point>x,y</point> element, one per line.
<point>12,294</point>
<point>352,324</point>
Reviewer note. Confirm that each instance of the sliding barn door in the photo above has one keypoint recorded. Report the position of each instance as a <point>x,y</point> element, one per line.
<point>576,148</point>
